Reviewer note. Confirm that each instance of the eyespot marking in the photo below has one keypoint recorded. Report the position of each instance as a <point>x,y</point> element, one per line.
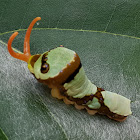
<point>45,59</point>
<point>45,68</point>
<point>45,65</point>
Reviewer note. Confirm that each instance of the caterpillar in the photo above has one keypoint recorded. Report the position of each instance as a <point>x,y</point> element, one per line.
<point>61,69</point>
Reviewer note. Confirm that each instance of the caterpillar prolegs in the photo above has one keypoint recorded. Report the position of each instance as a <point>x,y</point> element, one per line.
<point>61,69</point>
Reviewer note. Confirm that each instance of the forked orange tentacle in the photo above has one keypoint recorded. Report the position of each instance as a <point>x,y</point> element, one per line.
<point>25,57</point>
<point>27,36</point>
<point>14,54</point>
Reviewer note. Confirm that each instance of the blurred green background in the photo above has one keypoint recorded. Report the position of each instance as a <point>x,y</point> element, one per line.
<point>104,33</point>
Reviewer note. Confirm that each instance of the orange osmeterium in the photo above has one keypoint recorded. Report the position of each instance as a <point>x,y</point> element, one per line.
<point>26,52</point>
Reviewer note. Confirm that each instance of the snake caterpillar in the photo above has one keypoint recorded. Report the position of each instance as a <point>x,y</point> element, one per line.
<point>61,69</point>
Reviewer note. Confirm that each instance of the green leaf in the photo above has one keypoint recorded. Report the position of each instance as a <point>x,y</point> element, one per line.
<point>2,135</point>
<point>105,34</point>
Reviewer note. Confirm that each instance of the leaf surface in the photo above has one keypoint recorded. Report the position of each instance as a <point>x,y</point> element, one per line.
<point>108,46</point>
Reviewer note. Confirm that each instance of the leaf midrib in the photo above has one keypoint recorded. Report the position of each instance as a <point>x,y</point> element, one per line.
<point>76,30</point>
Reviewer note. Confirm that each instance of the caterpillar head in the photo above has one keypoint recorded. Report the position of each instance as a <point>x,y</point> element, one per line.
<point>53,67</point>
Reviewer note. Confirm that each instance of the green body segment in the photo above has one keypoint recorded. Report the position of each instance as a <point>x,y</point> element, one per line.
<point>94,104</point>
<point>80,86</point>
<point>56,65</point>
<point>116,103</point>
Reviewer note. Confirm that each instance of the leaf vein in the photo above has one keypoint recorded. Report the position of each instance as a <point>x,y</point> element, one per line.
<point>110,18</point>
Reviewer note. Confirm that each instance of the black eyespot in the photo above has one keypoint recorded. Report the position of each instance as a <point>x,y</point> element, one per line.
<point>44,68</point>
<point>45,65</point>
<point>45,59</point>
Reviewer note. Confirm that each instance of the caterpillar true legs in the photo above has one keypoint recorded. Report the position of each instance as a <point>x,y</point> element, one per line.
<point>61,70</point>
